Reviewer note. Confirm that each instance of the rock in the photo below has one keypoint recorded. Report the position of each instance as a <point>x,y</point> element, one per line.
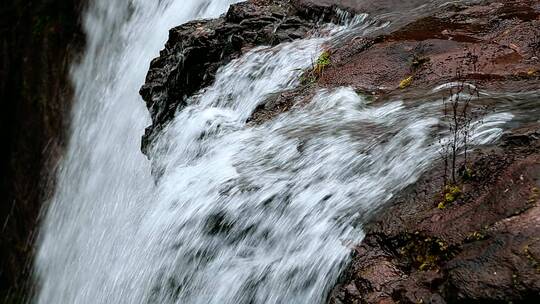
<point>494,45</point>
<point>489,43</point>
<point>483,248</point>
<point>40,39</point>
<point>370,7</point>
<point>196,50</point>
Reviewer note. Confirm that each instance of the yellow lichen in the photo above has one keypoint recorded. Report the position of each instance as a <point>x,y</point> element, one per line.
<point>475,236</point>
<point>532,259</point>
<point>451,193</point>
<point>406,82</point>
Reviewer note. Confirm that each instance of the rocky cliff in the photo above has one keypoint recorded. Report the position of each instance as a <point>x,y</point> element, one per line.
<point>481,248</point>
<point>39,40</point>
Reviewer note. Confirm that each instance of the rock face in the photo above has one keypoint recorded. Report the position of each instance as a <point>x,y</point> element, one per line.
<point>196,50</point>
<point>491,43</point>
<point>39,40</point>
<point>483,248</point>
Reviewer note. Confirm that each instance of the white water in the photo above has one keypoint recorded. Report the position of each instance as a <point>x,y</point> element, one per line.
<point>241,214</point>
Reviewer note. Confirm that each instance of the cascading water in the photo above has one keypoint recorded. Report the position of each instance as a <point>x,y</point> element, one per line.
<point>104,180</point>
<point>241,213</point>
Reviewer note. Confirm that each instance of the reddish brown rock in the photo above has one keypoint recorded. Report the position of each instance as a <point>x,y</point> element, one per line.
<point>483,248</point>
<point>491,42</point>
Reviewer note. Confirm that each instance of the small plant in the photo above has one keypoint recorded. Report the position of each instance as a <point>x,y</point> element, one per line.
<point>318,68</point>
<point>322,62</point>
<point>451,194</point>
<point>475,236</point>
<point>418,61</point>
<point>458,115</point>
<point>424,253</point>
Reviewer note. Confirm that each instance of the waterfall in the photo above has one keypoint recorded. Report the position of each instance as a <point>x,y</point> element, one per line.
<point>242,213</point>
<point>104,180</point>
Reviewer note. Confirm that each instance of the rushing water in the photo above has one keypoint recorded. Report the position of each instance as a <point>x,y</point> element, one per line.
<point>241,213</point>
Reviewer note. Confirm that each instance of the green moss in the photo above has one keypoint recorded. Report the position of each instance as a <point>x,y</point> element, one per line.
<point>323,61</point>
<point>532,259</point>
<point>467,174</point>
<point>515,281</point>
<point>307,79</point>
<point>475,236</point>
<point>450,195</point>
<point>535,194</point>
<point>418,62</point>
<point>424,253</point>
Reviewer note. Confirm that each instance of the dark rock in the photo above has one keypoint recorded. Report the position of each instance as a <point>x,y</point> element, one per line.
<point>38,41</point>
<point>196,50</point>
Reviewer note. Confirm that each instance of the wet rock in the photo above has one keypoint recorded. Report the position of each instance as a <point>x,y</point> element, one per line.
<point>494,45</point>
<point>196,50</point>
<point>490,43</point>
<point>39,40</point>
<point>483,248</point>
